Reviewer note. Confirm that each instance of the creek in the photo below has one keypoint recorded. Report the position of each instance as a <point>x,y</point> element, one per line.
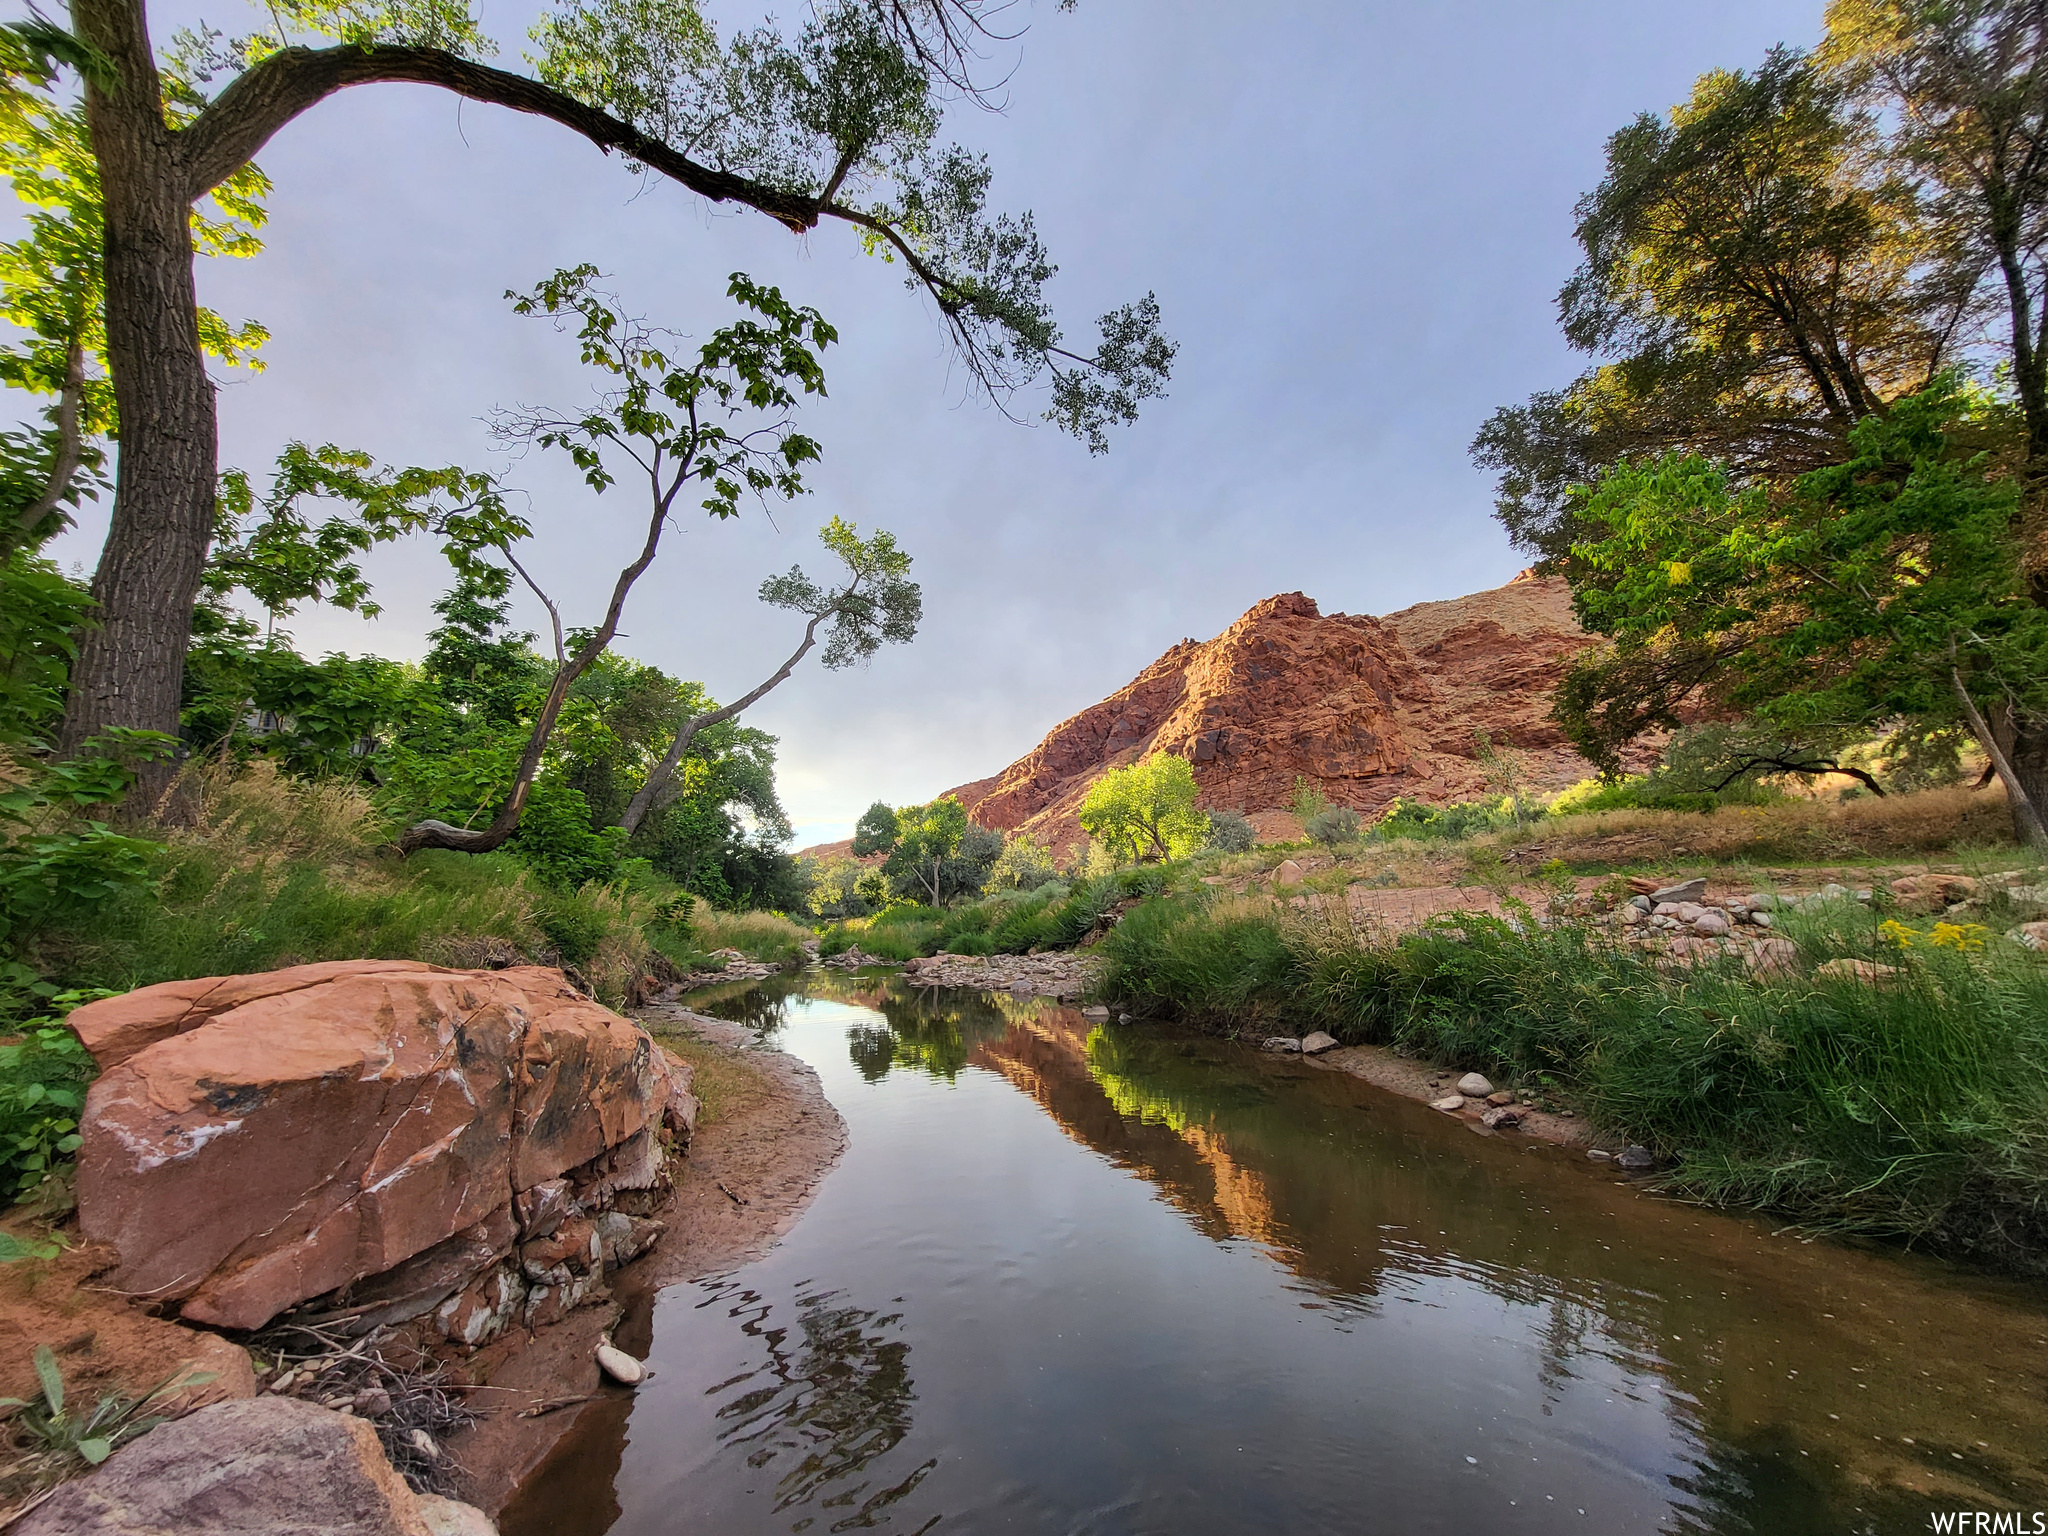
<point>1113,1279</point>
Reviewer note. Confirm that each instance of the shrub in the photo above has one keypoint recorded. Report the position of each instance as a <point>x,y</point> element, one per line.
<point>1655,792</point>
<point>1307,802</point>
<point>1451,823</point>
<point>1024,864</point>
<point>1231,832</point>
<point>43,1078</point>
<point>1334,824</point>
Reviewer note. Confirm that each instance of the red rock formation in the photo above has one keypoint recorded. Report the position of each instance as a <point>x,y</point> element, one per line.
<point>254,1142</point>
<point>1364,708</point>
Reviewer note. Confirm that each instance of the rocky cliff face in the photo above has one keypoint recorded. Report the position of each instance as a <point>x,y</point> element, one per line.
<point>1366,708</point>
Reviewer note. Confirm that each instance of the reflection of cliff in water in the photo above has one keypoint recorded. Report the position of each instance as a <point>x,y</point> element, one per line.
<point>1359,1195</point>
<point>823,1405</point>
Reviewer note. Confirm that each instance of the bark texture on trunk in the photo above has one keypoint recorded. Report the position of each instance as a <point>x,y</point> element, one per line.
<point>2029,758</point>
<point>131,662</point>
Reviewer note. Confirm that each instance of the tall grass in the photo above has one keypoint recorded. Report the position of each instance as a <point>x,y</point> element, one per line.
<point>764,936</point>
<point>1792,829</point>
<point>272,871</point>
<point>1913,1109</point>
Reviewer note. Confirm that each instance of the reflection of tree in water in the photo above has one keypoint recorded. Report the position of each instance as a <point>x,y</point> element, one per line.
<point>826,1403</point>
<point>760,1005</point>
<point>927,1029</point>
<point>1760,1487</point>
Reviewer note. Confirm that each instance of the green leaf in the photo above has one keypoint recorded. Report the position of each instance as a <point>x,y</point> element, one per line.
<point>97,1449</point>
<point>51,1378</point>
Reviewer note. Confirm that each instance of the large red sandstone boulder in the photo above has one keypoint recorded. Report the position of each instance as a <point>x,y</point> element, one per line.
<point>254,1142</point>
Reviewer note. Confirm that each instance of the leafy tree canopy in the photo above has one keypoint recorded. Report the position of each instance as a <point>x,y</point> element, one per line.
<point>1756,279</point>
<point>1884,587</point>
<point>875,832</point>
<point>1146,811</point>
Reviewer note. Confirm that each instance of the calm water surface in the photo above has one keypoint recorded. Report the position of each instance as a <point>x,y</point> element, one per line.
<point>1076,1278</point>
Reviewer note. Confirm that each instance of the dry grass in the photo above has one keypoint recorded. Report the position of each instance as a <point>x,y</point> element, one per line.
<point>763,936</point>
<point>272,819</point>
<point>725,1085</point>
<point>1794,831</point>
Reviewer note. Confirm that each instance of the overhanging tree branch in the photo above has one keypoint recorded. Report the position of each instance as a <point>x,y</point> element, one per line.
<point>230,132</point>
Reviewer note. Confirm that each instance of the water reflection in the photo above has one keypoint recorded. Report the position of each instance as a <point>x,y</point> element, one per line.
<point>822,1406</point>
<point>1081,1369</point>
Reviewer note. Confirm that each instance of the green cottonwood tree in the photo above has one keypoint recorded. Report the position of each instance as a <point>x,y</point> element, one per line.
<point>938,854</point>
<point>1146,811</point>
<point>875,832</point>
<point>718,420</point>
<point>1883,588</point>
<point>839,121</point>
<point>52,287</point>
<point>1756,278</point>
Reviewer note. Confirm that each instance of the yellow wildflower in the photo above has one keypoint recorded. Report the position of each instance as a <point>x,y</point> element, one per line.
<point>1898,933</point>
<point>1959,936</point>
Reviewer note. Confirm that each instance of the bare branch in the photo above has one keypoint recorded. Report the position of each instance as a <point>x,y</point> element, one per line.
<point>70,445</point>
<point>554,614</point>
<point>658,776</point>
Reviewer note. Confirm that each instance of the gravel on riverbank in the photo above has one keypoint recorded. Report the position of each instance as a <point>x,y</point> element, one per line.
<point>1068,975</point>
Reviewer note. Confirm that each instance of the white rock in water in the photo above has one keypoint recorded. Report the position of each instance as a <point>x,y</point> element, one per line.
<point>620,1366</point>
<point>1317,1043</point>
<point>1450,1105</point>
<point>1474,1086</point>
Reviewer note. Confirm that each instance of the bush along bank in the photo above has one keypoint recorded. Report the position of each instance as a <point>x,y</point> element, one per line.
<point>1056,915</point>
<point>1905,1098</point>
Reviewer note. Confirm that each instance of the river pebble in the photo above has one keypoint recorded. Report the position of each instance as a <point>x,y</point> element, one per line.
<point>1474,1085</point>
<point>620,1366</point>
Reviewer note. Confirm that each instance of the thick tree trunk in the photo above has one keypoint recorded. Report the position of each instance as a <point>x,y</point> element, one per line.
<point>2029,759</point>
<point>131,663</point>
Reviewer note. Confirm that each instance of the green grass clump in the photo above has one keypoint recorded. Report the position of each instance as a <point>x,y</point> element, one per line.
<point>1915,1108</point>
<point>272,871</point>
<point>1221,965</point>
<point>764,936</point>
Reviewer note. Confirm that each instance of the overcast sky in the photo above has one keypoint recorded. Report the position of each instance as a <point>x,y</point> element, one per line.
<point>1356,216</point>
